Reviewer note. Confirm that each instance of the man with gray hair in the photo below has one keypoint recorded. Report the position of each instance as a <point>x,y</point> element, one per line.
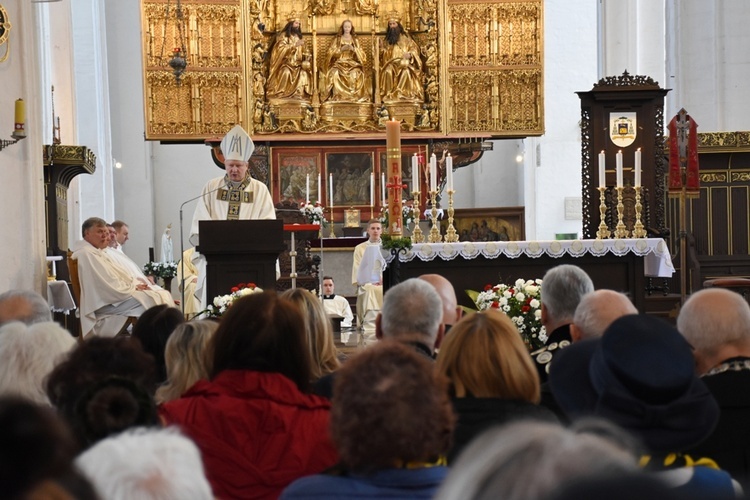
<point>412,314</point>
<point>563,287</point>
<point>25,306</point>
<point>716,323</point>
<point>596,311</point>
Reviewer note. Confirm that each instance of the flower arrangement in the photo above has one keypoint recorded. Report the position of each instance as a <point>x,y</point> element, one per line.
<point>407,212</point>
<point>166,270</point>
<point>520,302</point>
<point>314,213</point>
<point>221,303</point>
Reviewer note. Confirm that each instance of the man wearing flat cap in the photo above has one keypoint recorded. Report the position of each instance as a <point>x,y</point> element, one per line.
<point>235,196</point>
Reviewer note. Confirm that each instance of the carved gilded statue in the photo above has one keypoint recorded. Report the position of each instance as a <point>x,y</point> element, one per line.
<point>289,73</point>
<point>366,7</point>
<point>343,69</point>
<point>401,66</point>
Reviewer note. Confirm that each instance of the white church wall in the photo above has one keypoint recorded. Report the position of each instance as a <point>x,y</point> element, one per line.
<point>490,182</point>
<point>22,189</point>
<point>554,168</point>
<point>95,192</point>
<point>708,64</point>
<point>134,184</point>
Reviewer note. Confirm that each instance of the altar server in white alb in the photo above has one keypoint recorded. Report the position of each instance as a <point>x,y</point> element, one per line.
<point>109,292</point>
<point>337,305</point>
<point>367,275</point>
<point>235,196</point>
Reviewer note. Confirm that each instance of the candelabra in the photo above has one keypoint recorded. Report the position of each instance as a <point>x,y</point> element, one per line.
<point>620,230</point>
<point>434,236</point>
<point>416,235</point>
<point>4,143</point>
<point>603,231</point>
<point>450,233</point>
<point>638,230</point>
<point>332,234</point>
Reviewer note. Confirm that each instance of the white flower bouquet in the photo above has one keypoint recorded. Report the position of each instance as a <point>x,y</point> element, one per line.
<point>221,303</point>
<point>314,213</point>
<point>521,303</point>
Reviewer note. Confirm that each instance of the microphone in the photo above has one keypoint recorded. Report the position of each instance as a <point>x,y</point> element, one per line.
<point>225,185</point>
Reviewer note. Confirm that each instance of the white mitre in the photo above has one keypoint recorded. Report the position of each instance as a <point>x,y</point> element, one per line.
<point>237,145</point>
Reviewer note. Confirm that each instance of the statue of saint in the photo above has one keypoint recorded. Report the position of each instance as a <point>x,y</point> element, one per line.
<point>401,66</point>
<point>343,68</point>
<point>289,73</point>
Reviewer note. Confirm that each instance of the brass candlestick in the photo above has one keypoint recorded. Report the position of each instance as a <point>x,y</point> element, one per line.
<point>603,231</point>
<point>416,235</point>
<point>638,229</point>
<point>620,230</point>
<point>450,233</point>
<point>332,234</point>
<point>434,236</point>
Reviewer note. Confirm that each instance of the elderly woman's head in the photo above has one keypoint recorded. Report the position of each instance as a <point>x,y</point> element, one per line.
<point>484,357</point>
<point>390,408</point>
<point>266,333</point>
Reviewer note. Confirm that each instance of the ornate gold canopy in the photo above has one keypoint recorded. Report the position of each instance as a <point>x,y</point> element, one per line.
<point>478,66</point>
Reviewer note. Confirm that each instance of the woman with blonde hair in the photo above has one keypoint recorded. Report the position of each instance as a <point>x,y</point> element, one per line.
<point>186,358</point>
<point>492,377</point>
<point>319,332</point>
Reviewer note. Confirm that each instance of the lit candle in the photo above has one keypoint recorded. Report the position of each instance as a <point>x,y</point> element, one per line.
<point>307,189</point>
<point>372,189</point>
<point>317,197</point>
<point>382,189</point>
<point>619,168</point>
<point>19,129</point>
<point>415,172</point>
<point>330,190</point>
<point>433,172</point>
<point>602,170</point>
<point>638,167</point>
<point>449,171</point>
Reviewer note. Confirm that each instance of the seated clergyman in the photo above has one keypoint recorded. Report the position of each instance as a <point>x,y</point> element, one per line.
<point>109,291</point>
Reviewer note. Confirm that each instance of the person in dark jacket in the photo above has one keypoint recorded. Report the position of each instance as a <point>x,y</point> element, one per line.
<point>716,323</point>
<point>391,422</point>
<point>493,380</point>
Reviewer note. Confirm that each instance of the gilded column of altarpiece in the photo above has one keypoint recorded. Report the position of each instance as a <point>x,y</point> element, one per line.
<point>478,67</point>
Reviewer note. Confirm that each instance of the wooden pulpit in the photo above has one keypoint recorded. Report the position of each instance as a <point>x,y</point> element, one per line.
<point>240,251</point>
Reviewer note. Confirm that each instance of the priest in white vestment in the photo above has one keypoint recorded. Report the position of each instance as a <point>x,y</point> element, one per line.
<point>367,275</point>
<point>110,292</point>
<point>235,196</point>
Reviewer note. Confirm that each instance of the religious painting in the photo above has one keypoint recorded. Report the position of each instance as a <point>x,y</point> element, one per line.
<point>489,224</point>
<point>350,177</point>
<point>297,175</point>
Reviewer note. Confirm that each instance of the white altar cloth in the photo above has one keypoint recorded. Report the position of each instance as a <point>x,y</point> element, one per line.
<point>656,256</point>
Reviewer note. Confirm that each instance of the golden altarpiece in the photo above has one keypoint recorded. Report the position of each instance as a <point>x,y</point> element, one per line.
<point>476,66</point>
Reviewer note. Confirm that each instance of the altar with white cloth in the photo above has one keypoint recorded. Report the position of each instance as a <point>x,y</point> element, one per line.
<point>618,264</point>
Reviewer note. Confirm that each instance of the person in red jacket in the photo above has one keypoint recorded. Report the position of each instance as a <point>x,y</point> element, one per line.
<point>255,422</point>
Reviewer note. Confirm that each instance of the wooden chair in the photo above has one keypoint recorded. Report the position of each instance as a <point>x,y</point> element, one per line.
<point>75,285</point>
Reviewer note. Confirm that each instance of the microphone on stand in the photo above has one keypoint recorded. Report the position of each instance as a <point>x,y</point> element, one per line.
<point>182,243</point>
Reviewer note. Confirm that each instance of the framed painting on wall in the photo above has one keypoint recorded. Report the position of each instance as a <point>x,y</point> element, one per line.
<point>296,174</point>
<point>350,174</point>
<point>489,224</point>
